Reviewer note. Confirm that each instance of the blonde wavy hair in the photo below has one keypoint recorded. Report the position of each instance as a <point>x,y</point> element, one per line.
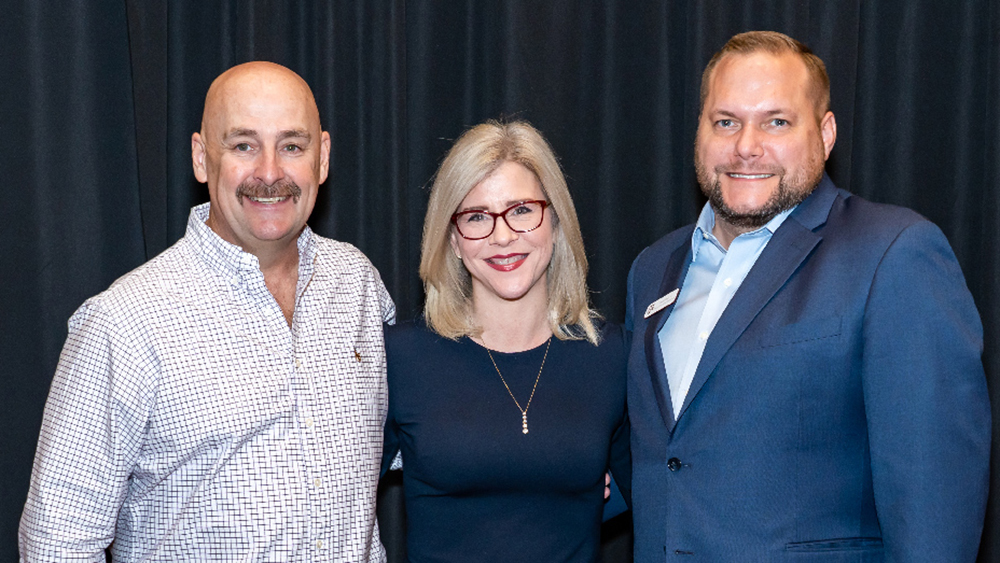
<point>448,285</point>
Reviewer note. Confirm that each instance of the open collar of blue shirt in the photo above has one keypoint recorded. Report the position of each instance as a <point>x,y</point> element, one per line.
<point>706,222</point>
<point>702,301</point>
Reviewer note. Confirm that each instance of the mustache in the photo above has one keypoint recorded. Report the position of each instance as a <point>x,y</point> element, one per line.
<point>254,188</point>
<point>749,168</point>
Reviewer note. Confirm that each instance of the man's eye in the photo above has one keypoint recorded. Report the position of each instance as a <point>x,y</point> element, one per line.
<point>292,148</point>
<point>242,147</point>
<point>778,122</point>
<point>725,123</point>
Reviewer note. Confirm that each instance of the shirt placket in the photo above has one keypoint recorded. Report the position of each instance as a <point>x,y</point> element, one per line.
<point>310,421</point>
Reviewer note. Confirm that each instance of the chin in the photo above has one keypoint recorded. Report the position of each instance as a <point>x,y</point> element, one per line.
<point>510,292</point>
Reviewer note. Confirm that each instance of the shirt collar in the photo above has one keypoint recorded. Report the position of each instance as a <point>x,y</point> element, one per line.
<point>706,222</point>
<point>230,260</point>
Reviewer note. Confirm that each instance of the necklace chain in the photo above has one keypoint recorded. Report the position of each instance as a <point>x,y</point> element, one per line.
<point>524,411</point>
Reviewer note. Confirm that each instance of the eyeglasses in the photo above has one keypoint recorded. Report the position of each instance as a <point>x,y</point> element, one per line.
<point>523,217</point>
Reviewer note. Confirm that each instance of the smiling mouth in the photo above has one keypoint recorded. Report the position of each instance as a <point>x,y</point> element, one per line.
<point>267,200</point>
<point>739,176</point>
<point>506,260</point>
<point>506,263</point>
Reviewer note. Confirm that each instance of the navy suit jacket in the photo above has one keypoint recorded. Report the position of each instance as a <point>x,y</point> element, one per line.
<point>839,412</point>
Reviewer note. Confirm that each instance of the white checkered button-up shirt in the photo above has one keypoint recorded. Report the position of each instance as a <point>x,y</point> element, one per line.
<point>188,422</point>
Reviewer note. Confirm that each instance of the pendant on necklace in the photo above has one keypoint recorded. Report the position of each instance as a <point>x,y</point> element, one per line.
<point>524,423</point>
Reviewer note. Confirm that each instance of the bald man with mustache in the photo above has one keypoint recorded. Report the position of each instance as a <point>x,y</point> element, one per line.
<point>224,401</point>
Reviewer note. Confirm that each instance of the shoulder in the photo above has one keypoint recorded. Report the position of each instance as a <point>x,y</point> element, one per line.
<point>153,287</point>
<point>612,334</point>
<point>412,337</point>
<point>856,214</point>
<point>414,355</point>
<point>861,228</point>
<point>348,273</point>
<point>612,345</point>
<point>342,257</point>
<point>655,255</point>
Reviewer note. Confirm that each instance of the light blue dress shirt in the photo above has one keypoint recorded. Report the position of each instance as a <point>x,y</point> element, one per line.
<point>712,279</point>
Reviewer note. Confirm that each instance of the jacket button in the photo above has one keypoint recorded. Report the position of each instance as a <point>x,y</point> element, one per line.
<point>673,464</point>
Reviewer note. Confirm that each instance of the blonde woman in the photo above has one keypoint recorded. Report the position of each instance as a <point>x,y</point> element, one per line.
<point>507,400</point>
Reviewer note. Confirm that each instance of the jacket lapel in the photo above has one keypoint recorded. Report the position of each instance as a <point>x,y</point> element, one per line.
<point>673,276</point>
<point>788,248</point>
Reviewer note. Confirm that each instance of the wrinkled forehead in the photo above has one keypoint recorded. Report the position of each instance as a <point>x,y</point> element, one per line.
<point>268,98</point>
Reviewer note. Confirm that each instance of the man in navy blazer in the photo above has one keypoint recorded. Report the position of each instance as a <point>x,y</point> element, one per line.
<point>805,376</point>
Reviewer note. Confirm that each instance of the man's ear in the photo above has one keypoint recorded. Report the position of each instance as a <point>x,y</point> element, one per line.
<point>828,128</point>
<point>198,158</point>
<point>324,156</point>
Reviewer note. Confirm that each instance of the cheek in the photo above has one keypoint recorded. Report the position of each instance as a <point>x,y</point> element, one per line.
<point>711,153</point>
<point>546,246</point>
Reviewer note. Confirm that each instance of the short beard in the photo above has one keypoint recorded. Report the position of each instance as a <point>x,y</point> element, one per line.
<point>254,188</point>
<point>790,192</point>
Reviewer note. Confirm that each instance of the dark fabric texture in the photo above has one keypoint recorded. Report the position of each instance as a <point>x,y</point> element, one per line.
<point>805,430</point>
<point>473,481</point>
<point>99,101</point>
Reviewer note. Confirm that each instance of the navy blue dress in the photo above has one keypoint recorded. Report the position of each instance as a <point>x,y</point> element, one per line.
<point>478,489</point>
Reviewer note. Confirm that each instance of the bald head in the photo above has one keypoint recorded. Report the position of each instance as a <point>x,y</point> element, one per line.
<point>263,155</point>
<point>241,87</point>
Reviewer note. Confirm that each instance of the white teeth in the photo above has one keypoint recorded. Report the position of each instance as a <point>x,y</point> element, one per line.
<point>506,261</point>
<point>268,200</point>
<point>750,176</point>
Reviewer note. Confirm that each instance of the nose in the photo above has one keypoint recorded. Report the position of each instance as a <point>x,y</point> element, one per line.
<point>748,143</point>
<point>269,169</point>
<point>502,233</point>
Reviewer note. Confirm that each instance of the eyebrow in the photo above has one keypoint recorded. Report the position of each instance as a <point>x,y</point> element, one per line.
<point>768,113</point>
<point>287,134</point>
<point>295,134</point>
<point>239,133</point>
<point>510,203</point>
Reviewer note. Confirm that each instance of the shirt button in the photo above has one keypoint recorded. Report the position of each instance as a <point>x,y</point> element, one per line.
<point>318,482</point>
<point>703,335</point>
<point>728,281</point>
<point>319,544</point>
<point>673,464</point>
<point>309,422</point>
<point>298,364</point>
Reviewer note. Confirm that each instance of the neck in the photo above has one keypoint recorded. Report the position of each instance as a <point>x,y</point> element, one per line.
<point>725,232</point>
<point>512,326</point>
<point>276,258</point>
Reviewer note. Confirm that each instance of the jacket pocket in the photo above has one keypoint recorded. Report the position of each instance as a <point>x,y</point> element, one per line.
<point>836,544</point>
<point>805,331</point>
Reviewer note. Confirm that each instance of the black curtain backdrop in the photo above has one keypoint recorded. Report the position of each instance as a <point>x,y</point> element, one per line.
<point>98,101</point>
